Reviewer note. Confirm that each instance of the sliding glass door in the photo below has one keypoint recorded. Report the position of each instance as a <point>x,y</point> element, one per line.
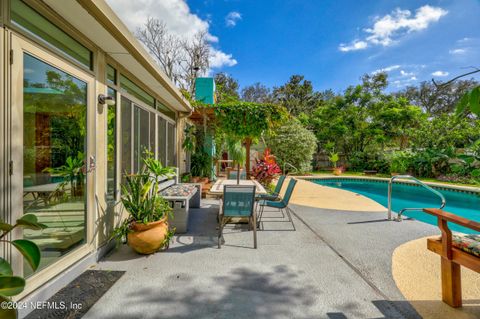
<point>51,159</point>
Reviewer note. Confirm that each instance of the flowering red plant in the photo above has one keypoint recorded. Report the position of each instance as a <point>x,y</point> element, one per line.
<point>266,168</point>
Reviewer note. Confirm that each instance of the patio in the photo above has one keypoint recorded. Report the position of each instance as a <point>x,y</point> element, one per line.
<point>337,264</point>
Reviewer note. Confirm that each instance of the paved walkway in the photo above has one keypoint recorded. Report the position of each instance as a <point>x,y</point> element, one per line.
<point>337,264</point>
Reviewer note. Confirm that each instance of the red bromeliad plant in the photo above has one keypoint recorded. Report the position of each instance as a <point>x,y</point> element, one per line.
<point>266,168</point>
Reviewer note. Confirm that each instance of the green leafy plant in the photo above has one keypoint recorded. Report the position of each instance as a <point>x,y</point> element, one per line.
<point>334,159</point>
<point>201,164</point>
<point>140,195</point>
<point>293,145</point>
<point>189,140</point>
<point>73,172</point>
<point>470,101</point>
<point>11,285</point>
<point>237,153</point>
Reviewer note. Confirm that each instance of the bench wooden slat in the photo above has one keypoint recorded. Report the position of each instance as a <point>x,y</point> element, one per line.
<point>458,256</point>
<point>453,218</point>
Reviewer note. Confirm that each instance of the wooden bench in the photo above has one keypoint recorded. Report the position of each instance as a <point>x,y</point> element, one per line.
<point>452,257</point>
<point>370,172</point>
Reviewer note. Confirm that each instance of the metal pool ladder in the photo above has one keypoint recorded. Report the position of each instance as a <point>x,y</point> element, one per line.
<point>390,184</point>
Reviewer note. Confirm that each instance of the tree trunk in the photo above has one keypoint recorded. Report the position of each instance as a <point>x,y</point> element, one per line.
<point>248,143</point>
<point>238,174</point>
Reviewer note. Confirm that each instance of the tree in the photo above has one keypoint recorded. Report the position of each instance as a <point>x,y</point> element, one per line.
<point>247,122</point>
<point>226,88</point>
<point>257,93</point>
<point>438,99</point>
<point>297,96</point>
<point>163,46</point>
<point>294,145</point>
<point>182,59</point>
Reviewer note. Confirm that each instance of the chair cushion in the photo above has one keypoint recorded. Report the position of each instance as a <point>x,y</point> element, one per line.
<point>467,242</point>
<point>180,190</point>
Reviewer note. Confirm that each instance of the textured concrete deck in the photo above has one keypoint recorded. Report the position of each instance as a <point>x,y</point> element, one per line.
<point>337,264</point>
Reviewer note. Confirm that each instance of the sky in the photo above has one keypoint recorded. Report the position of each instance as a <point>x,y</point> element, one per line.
<point>332,43</point>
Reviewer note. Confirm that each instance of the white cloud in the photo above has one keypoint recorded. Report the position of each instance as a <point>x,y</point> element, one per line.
<point>177,16</point>
<point>405,73</point>
<point>390,28</point>
<point>354,46</point>
<point>219,59</point>
<point>232,18</point>
<point>387,69</point>
<point>440,73</point>
<point>458,51</point>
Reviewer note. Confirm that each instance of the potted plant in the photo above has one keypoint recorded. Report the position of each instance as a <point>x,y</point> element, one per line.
<point>266,169</point>
<point>10,284</point>
<point>334,159</point>
<point>146,227</point>
<point>237,153</point>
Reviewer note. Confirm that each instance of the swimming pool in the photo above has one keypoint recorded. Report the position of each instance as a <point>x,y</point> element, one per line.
<point>463,203</point>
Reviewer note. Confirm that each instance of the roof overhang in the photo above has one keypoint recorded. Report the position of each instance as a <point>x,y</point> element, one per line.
<point>97,21</point>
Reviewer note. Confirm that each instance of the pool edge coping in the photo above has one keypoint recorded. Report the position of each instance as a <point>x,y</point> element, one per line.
<point>469,189</point>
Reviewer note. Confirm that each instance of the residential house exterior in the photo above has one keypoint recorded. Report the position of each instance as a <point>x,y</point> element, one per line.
<point>60,63</point>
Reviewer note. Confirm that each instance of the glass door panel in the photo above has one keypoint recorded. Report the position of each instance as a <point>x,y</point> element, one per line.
<point>54,157</point>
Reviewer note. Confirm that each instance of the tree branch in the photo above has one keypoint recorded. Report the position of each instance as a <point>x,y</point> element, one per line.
<point>442,85</point>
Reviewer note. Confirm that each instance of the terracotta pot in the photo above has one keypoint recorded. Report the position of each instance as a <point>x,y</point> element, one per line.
<point>337,171</point>
<point>204,180</point>
<point>148,238</point>
<point>195,179</point>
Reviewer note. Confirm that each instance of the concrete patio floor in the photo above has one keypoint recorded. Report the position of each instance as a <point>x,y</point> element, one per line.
<point>337,264</point>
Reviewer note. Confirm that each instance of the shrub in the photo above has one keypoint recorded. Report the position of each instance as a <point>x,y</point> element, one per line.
<point>293,144</point>
<point>266,168</point>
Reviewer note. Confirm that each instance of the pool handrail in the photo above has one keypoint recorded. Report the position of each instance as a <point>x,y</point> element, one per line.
<point>409,177</point>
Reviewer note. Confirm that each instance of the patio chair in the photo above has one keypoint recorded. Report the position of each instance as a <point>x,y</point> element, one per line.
<point>238,201</point>
<point>276,193</point>
<point>281,205</point>
<point>232,174</point>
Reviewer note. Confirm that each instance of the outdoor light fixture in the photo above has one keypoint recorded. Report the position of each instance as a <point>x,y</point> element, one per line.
<point>106,99</point>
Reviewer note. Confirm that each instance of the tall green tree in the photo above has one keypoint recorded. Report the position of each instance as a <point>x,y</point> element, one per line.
<point>297,96</point>
<point>257,93</point>
<point>226,88</point>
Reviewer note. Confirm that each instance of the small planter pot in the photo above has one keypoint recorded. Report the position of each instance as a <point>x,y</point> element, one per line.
<point>148,238</point>
<point>337,171</point>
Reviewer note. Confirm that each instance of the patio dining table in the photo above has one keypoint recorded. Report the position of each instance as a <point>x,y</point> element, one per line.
<point>217,188</point>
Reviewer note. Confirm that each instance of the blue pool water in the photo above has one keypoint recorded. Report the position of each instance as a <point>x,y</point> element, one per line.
<point>465,204</point>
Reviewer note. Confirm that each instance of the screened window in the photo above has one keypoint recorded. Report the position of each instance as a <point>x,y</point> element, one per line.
<point>162,140</point>
<point>171,153</point>
<point>30,20</point>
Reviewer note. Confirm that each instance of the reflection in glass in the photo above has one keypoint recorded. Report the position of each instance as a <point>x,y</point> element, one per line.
<point>111,146</point>
<point>54,134</point>
<point>126,136</point>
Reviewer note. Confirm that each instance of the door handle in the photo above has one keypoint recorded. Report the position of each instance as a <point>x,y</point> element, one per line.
<point>92,165</point>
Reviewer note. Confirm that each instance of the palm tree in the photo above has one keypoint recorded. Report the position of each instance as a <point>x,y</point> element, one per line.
<point>237,153</point>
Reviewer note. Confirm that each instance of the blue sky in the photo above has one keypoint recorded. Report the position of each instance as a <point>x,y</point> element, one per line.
<point>271,40</point>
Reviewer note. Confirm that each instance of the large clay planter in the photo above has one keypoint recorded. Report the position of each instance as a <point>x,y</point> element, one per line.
<point>148,238</point>
<point>337,171</point>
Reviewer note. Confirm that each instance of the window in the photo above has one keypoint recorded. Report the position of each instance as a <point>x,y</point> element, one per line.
<point>111,146</point>
<point>171,152</point>
<point>165,110</point>
<point>136,91</point>
<point>162,140</point>
<point>30,20</point>
<point>126,136</point>
<point>111,75</point>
